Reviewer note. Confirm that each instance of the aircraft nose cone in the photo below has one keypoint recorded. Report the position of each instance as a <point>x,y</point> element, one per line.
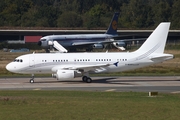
<point>8,67</point>
<point>39,43</point>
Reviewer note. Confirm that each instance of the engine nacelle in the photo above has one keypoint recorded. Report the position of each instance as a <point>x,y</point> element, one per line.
<point>66,74</point>
<point>119,44</point>
<point>98,46</point>
<point>50,43</point>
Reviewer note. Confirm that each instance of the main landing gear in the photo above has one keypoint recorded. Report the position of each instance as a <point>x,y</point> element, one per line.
<point>86,79</point>
<point>32,79</point>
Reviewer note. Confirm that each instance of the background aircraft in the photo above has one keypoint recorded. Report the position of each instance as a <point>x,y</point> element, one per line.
<point>70,65</point>
<point>88,41</point>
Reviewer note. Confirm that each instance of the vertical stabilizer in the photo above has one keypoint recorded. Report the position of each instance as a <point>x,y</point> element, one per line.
<point>155,43</point>
<point>113,25</point>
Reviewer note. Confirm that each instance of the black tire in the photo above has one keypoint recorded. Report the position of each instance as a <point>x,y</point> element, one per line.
<point>84,78</point>
<point>31,81</point>
<point>89,80</point>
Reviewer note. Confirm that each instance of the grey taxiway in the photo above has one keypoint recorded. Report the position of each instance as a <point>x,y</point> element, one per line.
<point>168,84</point>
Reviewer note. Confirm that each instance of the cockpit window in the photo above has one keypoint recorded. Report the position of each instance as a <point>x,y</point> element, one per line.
<point>18,60</point>
<point>43,39</point>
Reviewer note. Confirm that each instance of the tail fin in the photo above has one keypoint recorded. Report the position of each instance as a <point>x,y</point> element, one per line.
<point>113,25</point>
<point>155,43</point>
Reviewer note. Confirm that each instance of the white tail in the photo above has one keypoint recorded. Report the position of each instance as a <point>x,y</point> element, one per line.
<point>155,43</point>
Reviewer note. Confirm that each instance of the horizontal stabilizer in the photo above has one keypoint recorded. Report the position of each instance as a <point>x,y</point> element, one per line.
<point>162,57</point>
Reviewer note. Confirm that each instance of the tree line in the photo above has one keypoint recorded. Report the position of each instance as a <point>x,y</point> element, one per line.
<point>88,14</point>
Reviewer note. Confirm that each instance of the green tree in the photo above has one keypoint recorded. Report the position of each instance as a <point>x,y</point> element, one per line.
<point>85,5</point>
<point>28,19</point>
<point>10,15</point>
<point>161,11</point>
<point>134,14</point>
<point>46,16</point>
<point>13,11</point>
<point>175,15</point>
<point>88,13</point>
<point>69,19</point>
<point>93,16</point>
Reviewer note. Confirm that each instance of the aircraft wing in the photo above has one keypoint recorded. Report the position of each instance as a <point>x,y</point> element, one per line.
<point>129,40</point>
<point>85,43</point>
<point>106,41</point>
<point>87,68</point>
<point>84,68</point>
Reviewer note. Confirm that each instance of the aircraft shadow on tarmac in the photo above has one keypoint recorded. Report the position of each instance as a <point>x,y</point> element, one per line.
<point>102,80</point>
<point>110,80</point>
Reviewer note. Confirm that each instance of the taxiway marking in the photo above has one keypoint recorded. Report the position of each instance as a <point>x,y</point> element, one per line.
<point>110,90</point>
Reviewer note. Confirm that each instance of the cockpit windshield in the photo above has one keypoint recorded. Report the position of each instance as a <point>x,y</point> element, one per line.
<point>18,60</point>
<point>43,39</point>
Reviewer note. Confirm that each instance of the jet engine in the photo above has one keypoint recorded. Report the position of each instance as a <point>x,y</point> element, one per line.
<point>119,44</point>
<point>98,46</point>
<point>66,74</point>
<point>50,43</point>
<point>45,43</point>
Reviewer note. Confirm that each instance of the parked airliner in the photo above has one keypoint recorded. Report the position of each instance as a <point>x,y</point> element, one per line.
<point>70,65</point>
<point>88,41</point>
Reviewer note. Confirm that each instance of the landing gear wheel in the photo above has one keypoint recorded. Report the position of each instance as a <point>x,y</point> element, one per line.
<point>84,78</point>
<point>89,80</point>
<point>31,81</point>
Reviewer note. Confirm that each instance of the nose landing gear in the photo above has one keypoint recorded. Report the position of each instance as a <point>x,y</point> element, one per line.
<point>32,79</point>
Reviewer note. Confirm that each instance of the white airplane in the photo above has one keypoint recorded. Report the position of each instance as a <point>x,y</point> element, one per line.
<point>70,65</point>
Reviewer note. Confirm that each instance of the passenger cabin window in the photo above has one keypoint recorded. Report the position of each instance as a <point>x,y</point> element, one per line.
<point>59,60</point>
<point>18,60</point>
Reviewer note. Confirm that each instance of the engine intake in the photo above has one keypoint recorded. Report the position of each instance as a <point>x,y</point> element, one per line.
<point>119,44</point>
<point>98,46</point>
<point>66,74</point>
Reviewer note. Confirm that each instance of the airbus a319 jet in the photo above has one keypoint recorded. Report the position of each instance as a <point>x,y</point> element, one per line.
<point>88,41</point>
<point>70,65</point>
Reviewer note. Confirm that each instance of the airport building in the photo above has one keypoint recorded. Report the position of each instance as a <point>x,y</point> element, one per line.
<point>33,36</point>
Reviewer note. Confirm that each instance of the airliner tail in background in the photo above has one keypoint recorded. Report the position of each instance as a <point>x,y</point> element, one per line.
<point>113,25</point>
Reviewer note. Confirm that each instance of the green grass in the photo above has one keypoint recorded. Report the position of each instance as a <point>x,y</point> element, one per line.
<point>76,105</point>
